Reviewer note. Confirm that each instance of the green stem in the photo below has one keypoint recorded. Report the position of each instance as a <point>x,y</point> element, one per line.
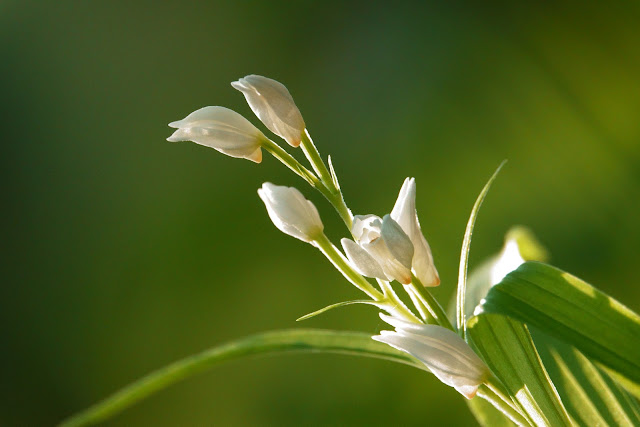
<point>289,161</point>
<point>341,263</point>
<point>395,303</point>
<point>335,198</point>
<point>434,307</point>
<point>311,153</point>
<point>340,206</point>
<point>423,310</point>
<point>329,188</point>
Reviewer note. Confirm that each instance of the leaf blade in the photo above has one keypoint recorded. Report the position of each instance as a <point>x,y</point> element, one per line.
<point>590,395</point>
<point>575,312</point>
<point>301,340</point>
<point>464,254</point>
<point>507,348</point>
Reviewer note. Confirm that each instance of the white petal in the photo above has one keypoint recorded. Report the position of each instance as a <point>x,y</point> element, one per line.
<point>291,212</point>
<point>221,129</point>
<point>385,241</point>
<point>364,263</point>
<point>404,213</point>
<point>508,260</point>
<point>272,103</point>
<point>397,240</point>
<point>446,355</point>
<point>366,228</point>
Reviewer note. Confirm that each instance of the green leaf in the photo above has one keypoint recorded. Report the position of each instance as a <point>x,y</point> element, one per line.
<point>299,340</point>
<point>507,348</point>
<point>590,395</point>
<point>464,254</point>
<point>487,415</point>
<point>573,311</point>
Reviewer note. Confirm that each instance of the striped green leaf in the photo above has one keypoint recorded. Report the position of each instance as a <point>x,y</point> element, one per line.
<point>507,348</point>
<point>573,311</point>
<point>590,395</point>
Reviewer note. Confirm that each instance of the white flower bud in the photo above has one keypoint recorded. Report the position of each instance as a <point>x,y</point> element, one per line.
<point>291,212</point>
<point>274,106</point>
<point>508,260</point>
<point>405,214</point>
<point>221,129</point>
<point>384,250</point>
<point>446,355</point>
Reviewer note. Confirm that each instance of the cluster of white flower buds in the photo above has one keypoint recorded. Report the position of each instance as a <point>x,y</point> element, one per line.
<point>231,134</point>
<point>387,249</point>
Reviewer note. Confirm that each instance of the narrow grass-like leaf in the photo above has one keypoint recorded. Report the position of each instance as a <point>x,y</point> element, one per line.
<point>573,311</point>
<point>464,254</point>
<point>590,395</point>
<point>507,348</point>
<point>336,305</point>
<point>299,340</point>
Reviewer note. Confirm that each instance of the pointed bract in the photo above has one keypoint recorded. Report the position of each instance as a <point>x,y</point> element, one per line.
<point>221,129</point>
<point>405,214</point>
<point>446,355</point>
<point>291,212</point>
<point>272,103</point>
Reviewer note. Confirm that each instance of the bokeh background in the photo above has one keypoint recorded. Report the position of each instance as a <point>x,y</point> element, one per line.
<point>123,252</point>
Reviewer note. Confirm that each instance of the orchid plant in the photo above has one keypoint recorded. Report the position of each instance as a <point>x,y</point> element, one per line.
<point>525,343</point>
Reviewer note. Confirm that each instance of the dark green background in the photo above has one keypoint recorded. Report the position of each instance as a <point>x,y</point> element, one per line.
<point>123,252</point>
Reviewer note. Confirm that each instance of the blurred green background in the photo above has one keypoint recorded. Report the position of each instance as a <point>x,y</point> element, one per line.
<point>124,252</point>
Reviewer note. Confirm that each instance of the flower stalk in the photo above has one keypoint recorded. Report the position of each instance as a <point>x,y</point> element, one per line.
<point>311,153</point>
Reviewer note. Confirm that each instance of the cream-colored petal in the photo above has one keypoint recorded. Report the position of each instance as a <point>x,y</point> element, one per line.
<point>364,263</point>
<point>272,103</point>
<point>397,241</point>
<point>442,351</point>
<point>291,212</point>
<point>405,214</point>
<point>221,129</point>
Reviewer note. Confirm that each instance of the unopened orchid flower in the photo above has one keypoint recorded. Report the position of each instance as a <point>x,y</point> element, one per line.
<point>221,129</point>
<point>392,248</point>
<point>382,250</point>
<point>405,214</point>
<point>291,212</point>
<point>272,103</point>
<point>446,355</point>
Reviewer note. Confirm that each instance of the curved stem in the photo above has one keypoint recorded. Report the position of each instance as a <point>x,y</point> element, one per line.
<point>333,196</point>
<point>434,307</point>
<point>311,152</point>
<point>423,310</point>
<point>289,161</point>
<point>341,263</point>
<point>395,303</point>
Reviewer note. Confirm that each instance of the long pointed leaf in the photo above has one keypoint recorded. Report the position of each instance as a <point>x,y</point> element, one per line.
<point>299,340</point>
<point>464,254</point>
<point>564,306</point>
